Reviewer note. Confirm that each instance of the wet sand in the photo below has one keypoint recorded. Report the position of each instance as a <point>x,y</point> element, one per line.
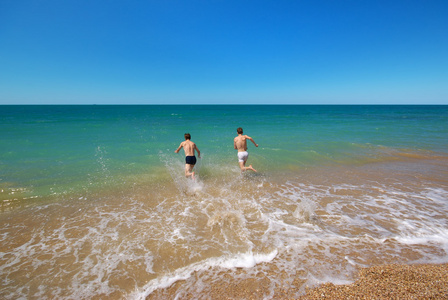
<point>377,282</point>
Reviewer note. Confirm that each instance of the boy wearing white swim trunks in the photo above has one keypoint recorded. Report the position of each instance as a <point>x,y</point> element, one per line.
<point>240,144</point>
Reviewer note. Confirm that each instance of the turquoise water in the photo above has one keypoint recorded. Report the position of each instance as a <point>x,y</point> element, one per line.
<point>95,204</point>
<point>60,148</point>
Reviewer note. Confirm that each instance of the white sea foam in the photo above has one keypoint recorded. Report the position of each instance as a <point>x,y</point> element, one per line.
<point>97,246</point>
<point>244,260</point>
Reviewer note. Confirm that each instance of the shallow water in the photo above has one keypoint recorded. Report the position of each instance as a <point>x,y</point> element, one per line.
<point>132,226</point>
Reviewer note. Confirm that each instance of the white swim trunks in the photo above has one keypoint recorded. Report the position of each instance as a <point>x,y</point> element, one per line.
<point>242,156</point>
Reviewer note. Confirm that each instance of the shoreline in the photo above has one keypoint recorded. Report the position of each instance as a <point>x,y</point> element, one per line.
<point>390,281</point>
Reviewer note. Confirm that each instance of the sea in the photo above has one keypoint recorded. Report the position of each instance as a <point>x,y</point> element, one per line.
<point>95,203</point>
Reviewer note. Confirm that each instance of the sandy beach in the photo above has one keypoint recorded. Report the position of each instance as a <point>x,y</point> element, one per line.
<point>390,282</point>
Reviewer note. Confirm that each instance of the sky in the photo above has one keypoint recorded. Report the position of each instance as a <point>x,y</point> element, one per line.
<point>223,52</point>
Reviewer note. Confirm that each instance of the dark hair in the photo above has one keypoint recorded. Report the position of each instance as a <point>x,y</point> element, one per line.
<point>239,130</point>
<point>187,136</point>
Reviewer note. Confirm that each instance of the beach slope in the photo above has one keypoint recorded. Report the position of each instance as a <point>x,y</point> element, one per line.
<point>389,282</point>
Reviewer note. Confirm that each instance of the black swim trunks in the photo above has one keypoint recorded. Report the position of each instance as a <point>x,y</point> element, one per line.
<point>191,160</point>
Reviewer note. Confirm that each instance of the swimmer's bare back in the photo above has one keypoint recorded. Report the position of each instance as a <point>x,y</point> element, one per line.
<point>189,147</point>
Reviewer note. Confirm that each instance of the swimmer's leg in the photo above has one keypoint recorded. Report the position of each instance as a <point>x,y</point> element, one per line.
<point>250,168</point>
<point>188,169</point>
<point>244,168</point>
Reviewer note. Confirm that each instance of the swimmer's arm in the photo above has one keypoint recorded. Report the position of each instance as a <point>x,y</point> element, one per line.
<point>252,140</point>
<point>199,152</point>
<point>178,149</point>
<point>234,144</point>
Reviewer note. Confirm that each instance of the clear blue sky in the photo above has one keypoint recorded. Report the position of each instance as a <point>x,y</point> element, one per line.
<point>223,52</point>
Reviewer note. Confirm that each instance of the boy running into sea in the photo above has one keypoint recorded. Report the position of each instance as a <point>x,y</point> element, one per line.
<point>190,159</point>
<point>240,144</point>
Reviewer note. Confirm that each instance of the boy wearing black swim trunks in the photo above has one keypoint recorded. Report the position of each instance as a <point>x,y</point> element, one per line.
<point>190,159</point>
